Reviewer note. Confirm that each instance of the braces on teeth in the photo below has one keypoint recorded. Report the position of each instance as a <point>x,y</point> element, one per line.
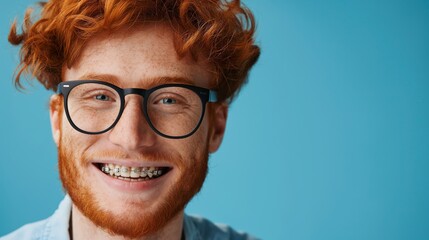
<point>131,172</point>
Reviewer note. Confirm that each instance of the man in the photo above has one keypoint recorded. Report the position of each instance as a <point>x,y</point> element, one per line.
<point>142,93</point>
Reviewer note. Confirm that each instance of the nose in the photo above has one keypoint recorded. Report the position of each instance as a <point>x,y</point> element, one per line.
<point>132,131</point>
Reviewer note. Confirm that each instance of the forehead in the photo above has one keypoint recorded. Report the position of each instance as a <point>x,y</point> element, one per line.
<point>138,57</point>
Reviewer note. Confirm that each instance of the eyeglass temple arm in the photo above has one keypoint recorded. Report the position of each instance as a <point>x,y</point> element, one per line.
<point>61,86</point>
<point>212,96</point>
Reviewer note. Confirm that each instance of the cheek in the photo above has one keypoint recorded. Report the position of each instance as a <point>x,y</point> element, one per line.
<point>205,127</point>
<point>197,143</point>
<point>74,141</point>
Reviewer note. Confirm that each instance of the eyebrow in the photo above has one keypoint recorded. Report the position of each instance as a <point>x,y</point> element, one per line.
<point>146,83</point>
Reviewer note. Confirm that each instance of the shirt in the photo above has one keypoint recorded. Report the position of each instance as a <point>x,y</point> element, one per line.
<point>56,227</point>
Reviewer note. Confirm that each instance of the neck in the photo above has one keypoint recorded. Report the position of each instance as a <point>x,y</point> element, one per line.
<point>83,228</point>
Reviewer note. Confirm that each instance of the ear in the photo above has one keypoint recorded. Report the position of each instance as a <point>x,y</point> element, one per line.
<point>55,112</point>
<point>218,125</point>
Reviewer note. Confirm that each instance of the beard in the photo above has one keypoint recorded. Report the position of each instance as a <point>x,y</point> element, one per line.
<point>139,218</point>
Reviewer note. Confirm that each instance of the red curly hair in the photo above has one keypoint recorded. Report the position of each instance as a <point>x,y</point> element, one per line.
<point>223,31</point>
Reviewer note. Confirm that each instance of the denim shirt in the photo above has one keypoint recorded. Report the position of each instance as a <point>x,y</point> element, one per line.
<point>56,228</point>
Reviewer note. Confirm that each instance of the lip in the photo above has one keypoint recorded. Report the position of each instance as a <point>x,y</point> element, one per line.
<point>130,186</point>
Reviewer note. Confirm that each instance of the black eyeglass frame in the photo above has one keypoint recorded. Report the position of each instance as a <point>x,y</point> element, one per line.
<point>206,96</point>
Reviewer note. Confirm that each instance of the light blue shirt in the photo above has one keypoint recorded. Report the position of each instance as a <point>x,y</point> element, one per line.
<point>56,228</point>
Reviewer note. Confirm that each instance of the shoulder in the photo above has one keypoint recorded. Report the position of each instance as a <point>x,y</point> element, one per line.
<point>31,231</point>
<point>202,228</point>
<point>54,227</point>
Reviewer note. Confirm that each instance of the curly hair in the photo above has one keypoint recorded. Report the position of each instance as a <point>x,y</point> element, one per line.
<point>220,30</point>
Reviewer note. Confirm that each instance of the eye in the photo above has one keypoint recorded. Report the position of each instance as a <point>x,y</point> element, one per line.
<point>168,101</point>
<point>102,97</point>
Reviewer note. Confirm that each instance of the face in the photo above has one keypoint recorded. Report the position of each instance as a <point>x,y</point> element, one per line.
<point>142,57</point>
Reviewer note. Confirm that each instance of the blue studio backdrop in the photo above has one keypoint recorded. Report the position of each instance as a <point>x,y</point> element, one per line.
<point>329,140</point>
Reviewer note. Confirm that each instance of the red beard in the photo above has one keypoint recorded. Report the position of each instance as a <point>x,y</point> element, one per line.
<point>145,220</point>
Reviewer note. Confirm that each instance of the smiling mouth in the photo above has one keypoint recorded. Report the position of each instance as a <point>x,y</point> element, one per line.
<point>132,174</point>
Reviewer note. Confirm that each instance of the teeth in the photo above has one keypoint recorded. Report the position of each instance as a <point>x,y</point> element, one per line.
<point>131,173</point>
<point>135,172</point>
<point>125,172</point>
<point>117,170</point>
<point>110,169</point>
<point>143,172</point>
<point>151,172</point>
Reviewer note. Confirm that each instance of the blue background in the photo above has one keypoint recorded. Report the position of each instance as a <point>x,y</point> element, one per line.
<point>329,140</point>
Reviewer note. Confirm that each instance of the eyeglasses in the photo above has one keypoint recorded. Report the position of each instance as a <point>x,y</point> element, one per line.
<point>171,110</point>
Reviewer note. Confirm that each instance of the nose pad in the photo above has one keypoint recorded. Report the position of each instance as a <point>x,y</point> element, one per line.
<point>132,131</point>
